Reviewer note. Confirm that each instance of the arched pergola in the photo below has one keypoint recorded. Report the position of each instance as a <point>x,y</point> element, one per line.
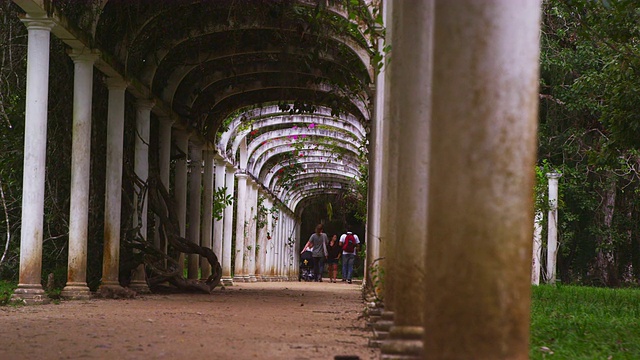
<point>278,103</point>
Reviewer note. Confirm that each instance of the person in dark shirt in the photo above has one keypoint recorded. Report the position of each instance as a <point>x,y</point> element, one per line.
<point>335,251</point>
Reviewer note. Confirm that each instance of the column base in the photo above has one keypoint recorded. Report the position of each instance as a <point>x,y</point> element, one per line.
<point>404,342</point>
<point>140,287</point>
<point>383,325</point>
<point>76,291</point>
<point>238,279</point>
<point>253,278</point>
<point>227,281</point>
<point>30,294</point>
<point>113,290</point>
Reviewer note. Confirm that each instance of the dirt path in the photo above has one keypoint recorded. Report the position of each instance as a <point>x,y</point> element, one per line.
<point>287,320</point>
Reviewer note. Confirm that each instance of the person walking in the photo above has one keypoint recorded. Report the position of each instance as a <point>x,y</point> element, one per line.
<point>335,251</point>
<point>318,243</point>
<point>350,243</point>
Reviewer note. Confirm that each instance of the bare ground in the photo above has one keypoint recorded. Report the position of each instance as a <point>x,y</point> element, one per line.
<point>285,320</point>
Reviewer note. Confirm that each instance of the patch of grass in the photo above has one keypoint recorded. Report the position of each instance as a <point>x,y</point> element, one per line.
<point>6,290</point>
<point>572,322</point>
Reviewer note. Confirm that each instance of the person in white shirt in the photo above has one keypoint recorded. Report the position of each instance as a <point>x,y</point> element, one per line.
<point>350,244</point>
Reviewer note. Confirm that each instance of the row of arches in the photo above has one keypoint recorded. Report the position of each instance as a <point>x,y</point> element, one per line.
<point>451,124</point>
<point>268,103</point>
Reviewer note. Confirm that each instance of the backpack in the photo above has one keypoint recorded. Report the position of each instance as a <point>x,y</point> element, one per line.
<point>349,243</point>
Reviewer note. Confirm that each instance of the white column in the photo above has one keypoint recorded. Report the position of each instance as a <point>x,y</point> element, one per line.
<point>76,287</point>
<point>376,174</point>
<point>113,186</point>
<point>164,165</point>
<point>35,145</point>
<point>207,208</point>
<point>241,228</point>
<point>180,186</point>
<point>277,250</point>
<point>296,253</point>
<point>141,167</point>
<point>537,249</point>
<point>228,227</point>
<point>269,240</point>
<point>409,110</point>
<point>483,153</point>
<point>552,229</point>
<point>218,223</point>
<point>250,240</point>
<point>195,196</point>
<point>285,249</point>
<point>262,237</point>
<point>387,135</point>
<point>289,251</point>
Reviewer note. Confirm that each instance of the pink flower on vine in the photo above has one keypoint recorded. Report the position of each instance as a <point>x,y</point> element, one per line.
<point>301,154</point>
<point>294,137</point>
<point>295,127</point>
<point>312,125</point>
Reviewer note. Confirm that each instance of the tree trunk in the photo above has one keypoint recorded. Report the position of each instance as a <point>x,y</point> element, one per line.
<point>605,260</point>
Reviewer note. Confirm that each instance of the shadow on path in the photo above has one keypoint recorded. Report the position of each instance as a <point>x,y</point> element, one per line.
<point>284,320</point>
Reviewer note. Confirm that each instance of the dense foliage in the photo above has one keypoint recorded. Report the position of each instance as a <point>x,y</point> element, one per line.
<point>589,131</point>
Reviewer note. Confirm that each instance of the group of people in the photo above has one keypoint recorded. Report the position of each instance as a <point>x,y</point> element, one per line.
<point>332,251</point>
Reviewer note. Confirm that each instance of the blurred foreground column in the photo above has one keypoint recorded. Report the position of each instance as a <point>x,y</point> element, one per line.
<point>485,91</point>
<point>410,110</point>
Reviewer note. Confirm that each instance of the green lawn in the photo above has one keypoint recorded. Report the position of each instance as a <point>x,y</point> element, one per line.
<point>571,322</point>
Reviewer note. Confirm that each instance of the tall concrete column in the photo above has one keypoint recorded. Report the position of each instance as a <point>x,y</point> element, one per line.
<point>537,249</point>
<point>267,271</point>
<point>218,232</point>
<point>389,141</point>
<point>206,235</point>
<point>113,186</point>
<point>295,252</point>
<point>180,186</point>
<point>228,227</point>
<point>35,145</point>
<point>241,228</point>
<point>376,175</point>
<point>250,240</point>
<point>76,287</point>
<point>195,199</point>
<point>552,229</point>
<point>410,100</point>
<point>141,167</point>
<point>286,250</point>
<point>485,102</point>
<point>277,266</point>
<point>261,258</point>
<point>164,166</point>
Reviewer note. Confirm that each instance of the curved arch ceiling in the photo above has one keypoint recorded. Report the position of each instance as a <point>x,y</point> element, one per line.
<point>209,59</point>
